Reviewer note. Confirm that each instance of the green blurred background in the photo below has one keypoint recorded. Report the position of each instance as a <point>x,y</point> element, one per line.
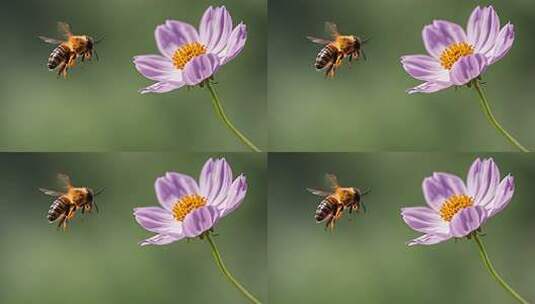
<point>366,260</point>
<point>98,108</point>
<point>366,108</point>
<point>98,260</point>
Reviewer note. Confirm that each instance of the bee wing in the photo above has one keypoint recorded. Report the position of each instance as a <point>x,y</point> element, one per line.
<point>50,192</point>
<point>50,40</point>
<point>331,180</point>
<point>332,29</point>
<point>318,192</point>
<point>65,180</point>
<point>318,40</point>
<point>65,29</point>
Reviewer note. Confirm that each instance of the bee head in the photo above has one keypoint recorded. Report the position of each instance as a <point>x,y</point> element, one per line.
<point>90,43</point>
<point>91,197</point>
<point>358,194</point>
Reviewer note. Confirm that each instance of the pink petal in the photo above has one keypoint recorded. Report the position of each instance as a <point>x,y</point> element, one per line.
<point>483,27</point>
<point>157,68</point>
<point>215,28</point>
<point>215,180</point>
<point>161,239</point>
<point>423,67</point>
<point>467,220</point>
<point>504,194</point>
<point>424,219</point>
<point>235,196</point>
<point>504,42</point>
<point>172,35</point>
<point>200,220</point>
<point>440,187</point>
<point>440,35</point>
<point>200,68</point>
<point>430,87</point>
<point>429,239</point>
<point>482,180</point>
<point>467,68</point>
<point>235,43</point>
<point>162,87</point>
<point>173,186</point>
<point>158,220</point>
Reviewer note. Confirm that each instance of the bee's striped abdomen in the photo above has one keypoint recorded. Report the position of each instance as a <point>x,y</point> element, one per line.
<point>326,208</point>
<point>58,55</point>
<point>326,55</point>
<point>60,206</point>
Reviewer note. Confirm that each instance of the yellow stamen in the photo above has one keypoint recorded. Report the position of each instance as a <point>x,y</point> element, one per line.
<point>454,52</point>
<point>187,204</point>
<point>187,52</point>
<point>455,204</point>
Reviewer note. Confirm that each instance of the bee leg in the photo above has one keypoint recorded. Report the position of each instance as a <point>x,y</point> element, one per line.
<point>62,71</point>
<point>328,224</point>
<point>61,220</point>
<point>71,213</point>
<point>361,52</point>
<point>330,71</point>
<point>72,61</point>
<point>65,224</point>
<point>61,68</point>
<point>363,207</point>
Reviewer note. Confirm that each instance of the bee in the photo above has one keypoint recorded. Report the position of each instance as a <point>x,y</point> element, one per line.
<point>65,205</point>
<point>332,207</point>
<point>334,51</point>
<point>67,51</point>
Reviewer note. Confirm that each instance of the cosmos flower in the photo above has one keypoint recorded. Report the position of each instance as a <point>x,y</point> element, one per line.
<point>188,57</point>
<point>188,208</point>
<point>457,57</point>
<point>456,209</point>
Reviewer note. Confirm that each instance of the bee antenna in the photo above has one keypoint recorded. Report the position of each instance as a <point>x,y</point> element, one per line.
<point>99,40</point>
<point>364,41</point>
<point>99,191</point>
<point>367,191</point>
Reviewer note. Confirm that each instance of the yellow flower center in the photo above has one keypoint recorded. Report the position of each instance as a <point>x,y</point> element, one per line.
<point>187,52</point>
<point>455,204</point>
<point>454,52</point>
<point>187,204</point>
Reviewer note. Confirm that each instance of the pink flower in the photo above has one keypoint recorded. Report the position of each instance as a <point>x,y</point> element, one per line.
<point>188,208</point>
<point>456,209</point>
<point>188,57</point>
<point>457,57</point>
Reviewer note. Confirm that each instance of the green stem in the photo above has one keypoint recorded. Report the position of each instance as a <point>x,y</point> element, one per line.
<point>488,113</point>
<point>219,110</point>
<point>224,270</point>
<point>493,271</point>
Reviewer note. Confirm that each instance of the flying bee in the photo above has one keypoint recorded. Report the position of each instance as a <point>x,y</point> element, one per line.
<point>332,207</point>
<point>65,204</point>
<point>334,51</point>
<point>67,51</point>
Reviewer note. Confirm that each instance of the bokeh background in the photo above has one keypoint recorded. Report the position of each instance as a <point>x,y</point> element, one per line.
<point>98,260</point>
<point>366,260</point>
<point>365,108</point>
<point>98,108</point>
